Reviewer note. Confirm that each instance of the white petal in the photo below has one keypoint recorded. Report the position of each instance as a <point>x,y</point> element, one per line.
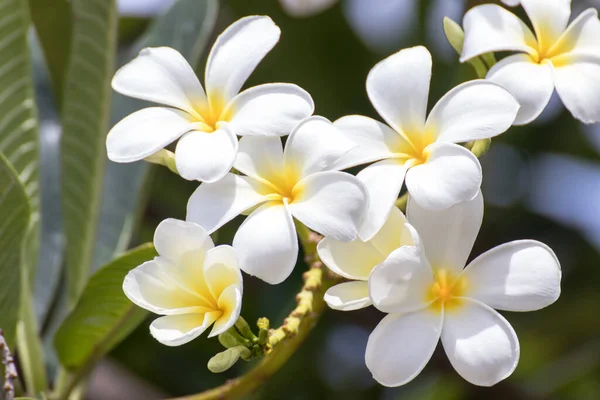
<point>401,283</point>
<point>206,157</point>
<point>212,205</point>
<point>394,233</point>
<point>314,146</point>
<point>375,141</point>
<point>331,203</point>
<point>145,132</point>
<point>267,244</point>
<point>452,174</point>
<point>175,330</point>
<point>581,37</point>
<point>549,18</point>
<point>471,111</point>
<point>163,76</point>
<point>401,345</point>
<point>490,28</point>
<point>518,276</point>
<point>383,181</point>
<point>578,85</point>
<point>352,260</point>
<point>269,110</point>
<point>159,286</point>
<point>261,157</point>
<point>512,3</point>
<point>481,345</point>
<point>230,304</point>
<point>447,236</point>
<point>399,88</point>
<point>348,296</point>
<point>173,238</point>
<point>221,270</point>
<point>236,53</point>
<point>531,83</point>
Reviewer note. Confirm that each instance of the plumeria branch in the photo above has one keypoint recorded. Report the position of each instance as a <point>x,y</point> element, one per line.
<point>10,369</point>
<point>285,340</point>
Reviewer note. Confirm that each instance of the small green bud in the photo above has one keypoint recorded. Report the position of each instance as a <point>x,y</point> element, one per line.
<point>228,340</point>
<point>224,360</point>
<point>244,329</point>
<point>163,157</point>
<point>454,34</point>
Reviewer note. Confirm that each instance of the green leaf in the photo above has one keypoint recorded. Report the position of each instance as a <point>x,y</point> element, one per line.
<point>104,315</point>
<point>14,220</point>
<point>52,20</point>
<point>85,116</point>
<point>186,27</point>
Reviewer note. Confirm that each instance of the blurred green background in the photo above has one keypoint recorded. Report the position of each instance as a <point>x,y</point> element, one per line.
<point>540,182</point>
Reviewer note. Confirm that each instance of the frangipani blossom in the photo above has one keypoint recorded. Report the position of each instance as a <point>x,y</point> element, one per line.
<point>207,123</point>
<point>355,260</point>
<point>279,184</point>
<point>193,284</point>
<point>556,56</point>
<point>429,296</point>
<point>439,173</point>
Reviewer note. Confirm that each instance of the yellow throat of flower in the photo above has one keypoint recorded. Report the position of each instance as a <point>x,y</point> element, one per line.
<point>446,290</point>
<point>414,151</point>
<point>211,114</point>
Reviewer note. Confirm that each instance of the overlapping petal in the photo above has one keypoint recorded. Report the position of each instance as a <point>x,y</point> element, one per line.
<point>578,85</point>
<point>352,260</point>
<point>399,88</point>
<point>269,110</point>
<point>581,37</point>
<point>236,53</point>
<point>490,28</point>
<point>174,238</point>
<point>452,174</point>
<point>471,111</point>
<point>481,345</point>
<point>175,330</point>
<point>348,296</point>
<point>549,19</point>
<point>261,158</point>
<point>448,235</point>
<point>266,243</point>
<point>221,270</point>
<point>531,83</point>
<point>518,276</point>
<point>401,345</point>
<point>230,305</point>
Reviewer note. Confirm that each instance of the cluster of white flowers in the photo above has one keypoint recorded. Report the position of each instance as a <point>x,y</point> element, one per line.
<point>411,267</point>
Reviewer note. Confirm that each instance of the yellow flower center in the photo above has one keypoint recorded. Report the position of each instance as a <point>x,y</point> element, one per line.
<point>212,113</point>
<point>446,290</point>
<point>413,149</point>
<point>548,48</point>
<point>283,185</point>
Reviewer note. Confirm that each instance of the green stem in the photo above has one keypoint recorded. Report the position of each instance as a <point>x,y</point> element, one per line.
<point>288,338</point>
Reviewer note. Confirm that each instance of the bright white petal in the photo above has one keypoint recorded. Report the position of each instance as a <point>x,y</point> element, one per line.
<point>400,284</point>
<point>175,330</point>
<point>163,76</point>
<point>399,88</point>
<point>581,37</point>
<point>549,18</point>
<point>206,157</point>
<point>375,141</point>
<point>145,132</point>
<point>331,203</point>
<point>518,276</point>
<point>348,296</point>
<point>352,260</point>
<point>490,28</point>
<point>269,110</point>
<point>401,345</point>
<point>173,238</point>
<point>531,83</point>
<point>230,304</point>
<point>394,233</point>
<point>452,174</point>
<point>383,181</point>
<point>267,244</point>
<point>315,145</point>
<point>158,287</point>
<point>447,236</point>
<point>578,85</point>
<point>472,111</point>
<point>236,53</point>
<point>212,205</point>
<point>481,345</point>
<point>221,270</point>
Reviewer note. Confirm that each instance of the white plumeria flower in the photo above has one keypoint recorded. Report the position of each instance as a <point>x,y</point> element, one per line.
<point>306,8</point>
<point>355,261</point>
<point>192,283</point>
<point>280,184</point>
<point>439,173</point>
<point>208,123</point>
<point>429,296</point>
<point>556,56</point>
